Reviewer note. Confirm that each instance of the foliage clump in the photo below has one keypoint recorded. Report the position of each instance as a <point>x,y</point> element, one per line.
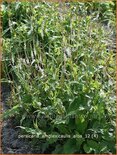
<point>63,76</point>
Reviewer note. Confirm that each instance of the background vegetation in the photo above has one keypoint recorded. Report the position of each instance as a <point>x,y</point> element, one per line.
<point>60,61</point>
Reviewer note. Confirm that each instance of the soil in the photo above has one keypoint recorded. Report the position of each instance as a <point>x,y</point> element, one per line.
<point>11,144</point>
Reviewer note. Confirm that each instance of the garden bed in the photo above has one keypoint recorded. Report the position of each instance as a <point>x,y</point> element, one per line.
<point>61,64</point>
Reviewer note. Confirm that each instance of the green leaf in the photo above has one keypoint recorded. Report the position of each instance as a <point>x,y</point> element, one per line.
<point>93,144</point>
<point>74,105</point>
<point>81,123</point>
<point>79,142</point>
<point>11,112</point>
<point>23,117</point>
<point>58,149</point>
<point>70,146</point>
<point>87,149</point>
<point>54,138</point>
<point>27,98</point>
<point>33,131</point>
